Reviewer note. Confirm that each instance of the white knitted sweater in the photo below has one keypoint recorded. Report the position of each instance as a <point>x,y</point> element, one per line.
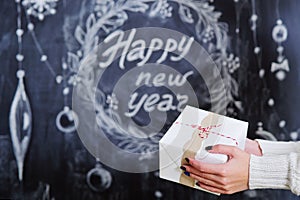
<point>278,168</point>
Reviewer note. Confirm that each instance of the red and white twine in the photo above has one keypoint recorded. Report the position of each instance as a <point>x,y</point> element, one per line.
<point>205,131</point>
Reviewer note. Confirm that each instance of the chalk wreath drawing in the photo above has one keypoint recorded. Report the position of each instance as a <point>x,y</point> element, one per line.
<point>198,58</point>
<point>40,8</point>
<point>107,17</point>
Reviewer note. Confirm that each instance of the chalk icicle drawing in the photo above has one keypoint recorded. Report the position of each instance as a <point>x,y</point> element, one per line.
<point>20,123</point>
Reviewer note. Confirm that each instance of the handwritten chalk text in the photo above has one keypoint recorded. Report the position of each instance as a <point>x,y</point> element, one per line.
<point>134,50</point>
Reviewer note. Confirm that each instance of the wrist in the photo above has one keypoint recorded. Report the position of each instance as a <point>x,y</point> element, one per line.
<point>253,147</point>
<point>258,148</point>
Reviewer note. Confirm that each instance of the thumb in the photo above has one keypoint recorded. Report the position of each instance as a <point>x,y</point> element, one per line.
<point>231,151</point>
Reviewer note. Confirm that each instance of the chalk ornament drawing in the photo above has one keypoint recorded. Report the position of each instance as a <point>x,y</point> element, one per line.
<point>20,123</point>
<point>20,115</point>
<point>279,35</point>
<point>109,16</point>
<point>40,8</point>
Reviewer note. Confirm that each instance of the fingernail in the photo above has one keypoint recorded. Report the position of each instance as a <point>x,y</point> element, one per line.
<point>187,160</point>
<point>198,184</point>
<point>187,173</point>
<point>183,168</point>
<point>207,148</point>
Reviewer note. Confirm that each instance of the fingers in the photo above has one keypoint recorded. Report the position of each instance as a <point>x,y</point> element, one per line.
<point>210,183</point>
<point>205,181</point>
<point>224,178</point>
<point>231,151</point>
<point>213,189</point>
<point>215,169</point>
<point>209,179</point>
<point>196,172</point>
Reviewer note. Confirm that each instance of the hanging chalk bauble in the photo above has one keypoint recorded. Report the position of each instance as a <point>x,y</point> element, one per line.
<point>67,120</point>
<point>280,75</point>
<point>20,123</point>
<point>279,33</point>
<point>98,179</point>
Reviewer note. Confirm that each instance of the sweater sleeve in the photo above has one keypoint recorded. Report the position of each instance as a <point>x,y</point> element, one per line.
<point>275,171</point>
<point>278,148</point>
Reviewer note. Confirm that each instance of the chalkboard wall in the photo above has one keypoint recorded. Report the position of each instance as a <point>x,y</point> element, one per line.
<point>57,162</point>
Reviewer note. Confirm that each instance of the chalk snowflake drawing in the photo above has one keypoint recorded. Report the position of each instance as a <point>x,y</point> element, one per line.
<point>233,63</point>
<point>161,9</point>
<point>112,101</point>
<point>107,17</point>
<point>40,8</point>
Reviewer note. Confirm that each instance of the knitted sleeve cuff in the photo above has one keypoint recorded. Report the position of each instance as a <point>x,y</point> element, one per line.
<point>275,172</point>
<point>275,147</point>
<point>268,172</point>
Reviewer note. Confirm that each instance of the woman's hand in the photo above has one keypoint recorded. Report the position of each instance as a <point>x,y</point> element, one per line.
<point>227,178</point>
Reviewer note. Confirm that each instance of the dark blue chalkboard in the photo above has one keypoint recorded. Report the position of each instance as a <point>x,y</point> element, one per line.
<point>59,162</point>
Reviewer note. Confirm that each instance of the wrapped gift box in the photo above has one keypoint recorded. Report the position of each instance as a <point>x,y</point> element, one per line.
<point>188,136</point>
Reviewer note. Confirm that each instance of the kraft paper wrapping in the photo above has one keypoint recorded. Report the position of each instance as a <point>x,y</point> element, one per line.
<point>194,145</point>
